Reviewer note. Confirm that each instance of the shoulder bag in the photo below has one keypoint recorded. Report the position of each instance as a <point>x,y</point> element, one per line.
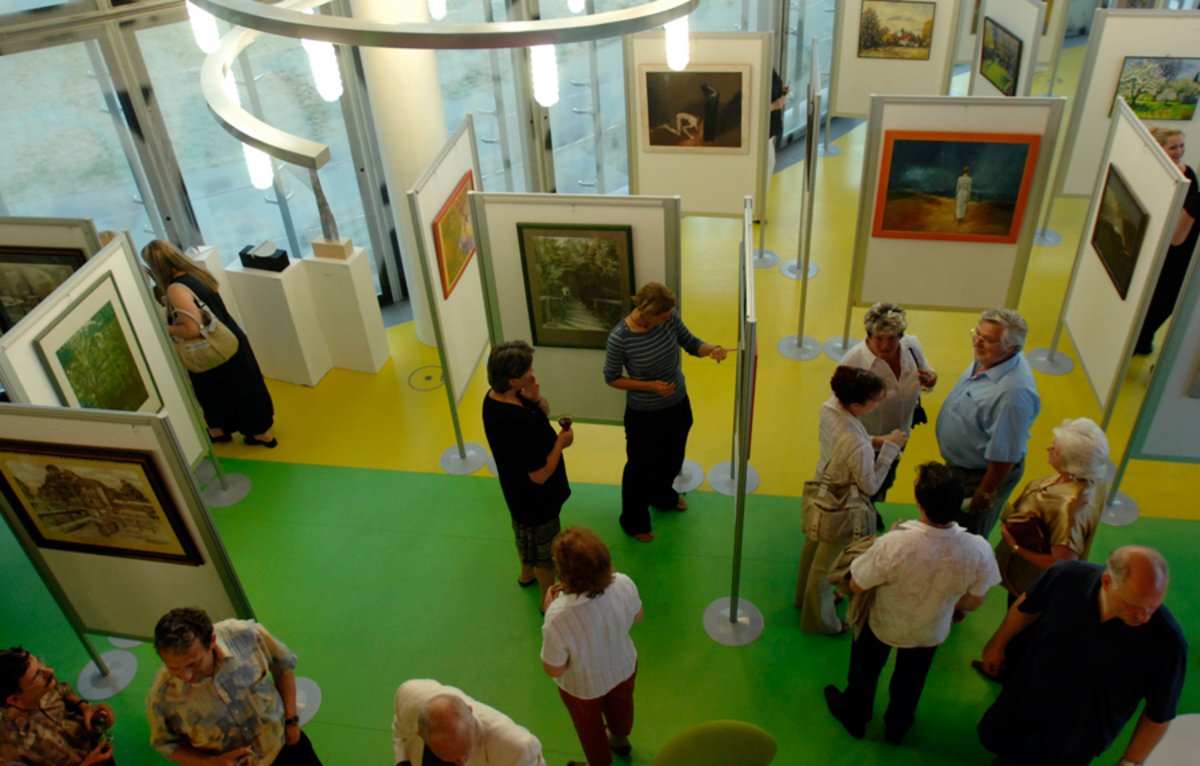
<point>215,345</point>
<point>834,513</point>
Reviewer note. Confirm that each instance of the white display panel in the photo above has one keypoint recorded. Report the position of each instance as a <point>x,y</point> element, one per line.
<point>690,173</point>
<point>853,80</point>
<point>571,378</point>
<point>1115,36</point>
<point>460,320</point>
<point>1049,31</point>
<point>1023,20</point>
<point>50,232</point>
<point>27,380</point>
<point>943,273</point>
<point>1102,325</point>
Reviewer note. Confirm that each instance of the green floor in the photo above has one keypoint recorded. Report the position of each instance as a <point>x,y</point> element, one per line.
<point>374,577</point>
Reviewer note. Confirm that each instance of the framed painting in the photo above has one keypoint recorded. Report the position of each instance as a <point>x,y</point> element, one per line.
<point>971,187</point>
<point>111,502</point>
<point>93,357</point>
<point>1120,229</point>
<point>1160,88</point>
<point>1000,57</point>
<point>704,110</point>
<point>29,274</point>
<point>895,29</point>
<point>578,281</point>
<point>454,236</point>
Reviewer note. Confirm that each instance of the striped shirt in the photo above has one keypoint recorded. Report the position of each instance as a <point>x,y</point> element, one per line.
<point>591,637</point>
<point>650,355</point>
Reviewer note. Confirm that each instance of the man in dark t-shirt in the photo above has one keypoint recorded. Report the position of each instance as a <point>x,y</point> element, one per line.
<point>1081,649</point>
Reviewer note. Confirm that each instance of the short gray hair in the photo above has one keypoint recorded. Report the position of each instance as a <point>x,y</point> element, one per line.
<point>441,714</point>
<point>886,318</point>
<point>1120,564</point>
<point>1083,448</point>
<point>1013,325</point>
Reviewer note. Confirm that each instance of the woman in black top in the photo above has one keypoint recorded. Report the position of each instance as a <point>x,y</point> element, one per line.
<point>233,394</point>
<point>528,457</point>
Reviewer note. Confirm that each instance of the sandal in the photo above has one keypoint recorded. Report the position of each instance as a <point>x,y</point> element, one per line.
<point>645,537</point>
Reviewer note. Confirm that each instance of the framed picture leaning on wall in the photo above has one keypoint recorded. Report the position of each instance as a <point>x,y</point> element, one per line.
<point>1000,57</point>
<point>29,274</point>
<point>453,235</point>
<point>1121,224</point>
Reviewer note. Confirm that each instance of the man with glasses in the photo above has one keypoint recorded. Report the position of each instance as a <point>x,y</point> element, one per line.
<point>983,426</point>
<point>43,721</point>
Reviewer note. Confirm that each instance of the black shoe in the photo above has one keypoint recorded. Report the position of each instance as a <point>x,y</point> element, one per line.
<point>260,443</point>
<point>1143,348</point>
<point>220,439</point>
<point>836,702</point>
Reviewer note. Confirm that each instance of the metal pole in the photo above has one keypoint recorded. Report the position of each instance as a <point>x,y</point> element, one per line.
<point>806,213</point>
<point>95,655</point>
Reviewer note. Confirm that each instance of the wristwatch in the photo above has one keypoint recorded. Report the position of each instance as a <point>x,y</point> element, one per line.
<point>292,721</point>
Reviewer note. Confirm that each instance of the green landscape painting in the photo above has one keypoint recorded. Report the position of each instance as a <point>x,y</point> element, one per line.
<point>1160,88</point>
<point>100,366</point>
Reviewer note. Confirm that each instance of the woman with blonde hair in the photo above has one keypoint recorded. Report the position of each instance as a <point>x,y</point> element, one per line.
<point>233,395</point>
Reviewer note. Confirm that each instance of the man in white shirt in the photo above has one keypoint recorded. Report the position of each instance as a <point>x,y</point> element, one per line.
<point>924,575</point>
<point>438,724</point>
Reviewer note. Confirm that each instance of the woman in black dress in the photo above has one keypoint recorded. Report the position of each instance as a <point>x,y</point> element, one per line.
<point>233,394</point>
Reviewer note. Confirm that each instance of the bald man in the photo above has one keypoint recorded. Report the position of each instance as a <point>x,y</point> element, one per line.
<point>437,724</point>
<point>1081,649</point>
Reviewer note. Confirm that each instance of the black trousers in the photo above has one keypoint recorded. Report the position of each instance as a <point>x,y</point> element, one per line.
<point>299,754</point>
<point>868,655</point>
<point>655,443</point>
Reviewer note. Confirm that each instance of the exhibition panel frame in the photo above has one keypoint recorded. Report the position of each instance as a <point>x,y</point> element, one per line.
<point>51,232</point>
<point>1102,323</point>
<point>973,271</point>
<point>1019,19</point>
<point>1116,36</point>
<point>854,78</point>
<point>571,377</point>
<point>668,157</point>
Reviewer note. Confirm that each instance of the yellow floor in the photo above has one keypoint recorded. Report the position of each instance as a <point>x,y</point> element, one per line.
<point>386,421</point>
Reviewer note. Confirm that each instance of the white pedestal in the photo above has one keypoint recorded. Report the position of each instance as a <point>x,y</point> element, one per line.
<point>281,321</point>
<point>208,257</point>
<point>348,310</point>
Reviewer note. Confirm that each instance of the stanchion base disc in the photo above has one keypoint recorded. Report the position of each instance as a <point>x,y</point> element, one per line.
<point>216,496</point>
<point>1122,512</point>
<point>308,699</point>
<point>807,348</point>
<point>835,349</point>
<point>454,463</point>
<point>1040,360</point>
<point>832,150</point>
<point>791,269</point>
<point>690,477</point>
<point>491,465</point>
<point>720,478</point>
<point>94,685</point>
<point>765,259</point>
<point>744,630</point>
<point>1047,238</point>
<point>204,472</point>
<point>124,643</point>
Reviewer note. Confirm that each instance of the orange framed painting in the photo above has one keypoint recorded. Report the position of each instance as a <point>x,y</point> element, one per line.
<point>454,236</point>
<point>969,187</point>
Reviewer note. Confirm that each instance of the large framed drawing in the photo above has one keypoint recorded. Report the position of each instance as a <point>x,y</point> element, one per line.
<point>895,29</point>
<point>1160,88</point>
<point>29,274</point>
<point>453,235</point>
<point>706,110</point>
<point>1000,57</point>
<point>578,281</point>
<point>93,357</point>
<point>960,186</point>
<point>1120,229</point>
<point>111,502</point>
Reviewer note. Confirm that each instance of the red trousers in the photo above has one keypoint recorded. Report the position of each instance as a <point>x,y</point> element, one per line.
<point>614,710</point>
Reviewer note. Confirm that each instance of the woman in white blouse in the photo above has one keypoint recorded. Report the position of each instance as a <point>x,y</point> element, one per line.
<point>899,360</point>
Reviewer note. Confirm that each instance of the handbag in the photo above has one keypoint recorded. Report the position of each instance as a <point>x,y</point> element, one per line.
<point>1029,532</point>
<point>215,345</point>
<point>834,513</point>
<point>920,417</point>
<point>839,575</point>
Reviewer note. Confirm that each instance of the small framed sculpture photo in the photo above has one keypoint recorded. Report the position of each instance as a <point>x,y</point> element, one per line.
<point>699,111</point>
<point>453,235</point>
<point>579,281</point>
<point>29,274</point>
<point>111,502</point>
<point>1121,224</point>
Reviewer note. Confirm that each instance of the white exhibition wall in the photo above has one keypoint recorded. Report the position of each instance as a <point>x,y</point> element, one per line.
<point>690,171</point>
<point>460,320</point>
<point>1102,325</point>
<point>50,232</point>
<point>1115,36</point>
<point>1050,31</point>
<point>572,379</point>
<point>969,274</point>
<point>119,595</point>
<point>29,382</point>
<point>1023,20</point>
<point>853,80</point>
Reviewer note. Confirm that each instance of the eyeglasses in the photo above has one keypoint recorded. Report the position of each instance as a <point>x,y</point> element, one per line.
<point>976,335</point>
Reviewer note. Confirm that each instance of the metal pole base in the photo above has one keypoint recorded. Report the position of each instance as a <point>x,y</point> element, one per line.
<point>491,465</point>
<point>800,350</point>
<point>1047,238</point>
<point>1122,511</point>
<point>454,463</point>
<point>690,477</point>
<point>832,150</point>
<point>308,699</point>
<point>836,348</point>
<point>1049,362</point>
<point>744,630</point>
<point>94,685</point>
<point>216,496</point>
<point>791,269</point>
<point>721,478</point>
<point>765,259</point>
<point>124,643</point>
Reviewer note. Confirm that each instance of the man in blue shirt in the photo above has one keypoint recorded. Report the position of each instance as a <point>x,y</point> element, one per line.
<point>983,426</point>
